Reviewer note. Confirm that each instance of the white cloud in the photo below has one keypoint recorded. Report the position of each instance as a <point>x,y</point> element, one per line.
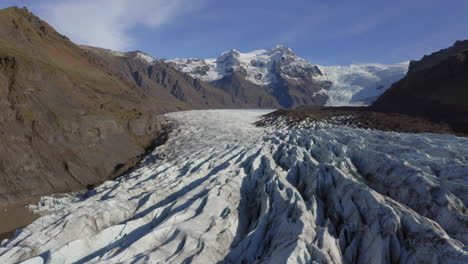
<point>108,23</point>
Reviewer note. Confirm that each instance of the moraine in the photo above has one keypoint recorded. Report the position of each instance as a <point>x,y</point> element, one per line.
<point>224,190</point>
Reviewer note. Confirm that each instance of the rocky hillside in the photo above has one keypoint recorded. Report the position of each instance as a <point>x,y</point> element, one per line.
<point>435,87</point>
<point>291,81</point>
<point>172,89</point>
<point>75,116</point>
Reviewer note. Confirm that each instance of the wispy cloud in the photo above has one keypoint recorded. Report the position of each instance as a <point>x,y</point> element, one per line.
<point>109,23</point>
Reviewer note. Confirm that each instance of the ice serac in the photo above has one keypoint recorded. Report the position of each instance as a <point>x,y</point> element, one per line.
<point>223,190</point>
<point>292,80</point>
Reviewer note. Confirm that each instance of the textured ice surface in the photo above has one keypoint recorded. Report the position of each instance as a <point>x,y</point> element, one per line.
<point>223,190</point>
<point>361,84</point>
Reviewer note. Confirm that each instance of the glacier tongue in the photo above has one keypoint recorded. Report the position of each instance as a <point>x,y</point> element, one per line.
<point>360,84</point>
<point>224,190</point>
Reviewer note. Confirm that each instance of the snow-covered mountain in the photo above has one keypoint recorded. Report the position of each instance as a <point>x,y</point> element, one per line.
<point>291,78</point>
<point>279,78</point>
<point>260,66</point>
<point>222,190</point>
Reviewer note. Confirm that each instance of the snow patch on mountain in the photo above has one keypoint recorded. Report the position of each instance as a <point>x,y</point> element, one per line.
<point>224,190</point>
<point>145,58</point>
<point>117,53</point>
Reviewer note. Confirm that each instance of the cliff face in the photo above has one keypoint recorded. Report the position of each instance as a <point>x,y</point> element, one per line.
<point>72,116</point>
<point>435,87</point>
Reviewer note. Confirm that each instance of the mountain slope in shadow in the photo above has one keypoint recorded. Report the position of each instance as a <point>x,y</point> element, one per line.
<point>435,87</point>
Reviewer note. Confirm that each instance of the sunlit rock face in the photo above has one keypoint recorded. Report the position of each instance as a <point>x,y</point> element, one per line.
<point>224,190</point>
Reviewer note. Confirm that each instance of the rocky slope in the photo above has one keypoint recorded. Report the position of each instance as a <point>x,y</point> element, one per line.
<point>171,88</point>
<point>435,87</point>
<point>222,190</point>
<point>75,116</point>
<point>291,80</point>
<point>359,117</point>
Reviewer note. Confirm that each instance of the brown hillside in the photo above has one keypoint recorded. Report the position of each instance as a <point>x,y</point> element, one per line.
<point>72,116</point>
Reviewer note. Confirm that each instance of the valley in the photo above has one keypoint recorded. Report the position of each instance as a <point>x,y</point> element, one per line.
<point>224,190</point>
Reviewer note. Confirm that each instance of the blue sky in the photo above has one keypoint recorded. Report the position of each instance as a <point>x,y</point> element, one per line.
<point>327,32</point>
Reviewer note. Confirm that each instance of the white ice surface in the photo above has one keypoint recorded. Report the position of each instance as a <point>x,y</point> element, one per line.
<point>223,190</point>
<point>361,84</point>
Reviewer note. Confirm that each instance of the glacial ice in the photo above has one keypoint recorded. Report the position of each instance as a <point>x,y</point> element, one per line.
<point>360,84</point>
<point>224,190</point>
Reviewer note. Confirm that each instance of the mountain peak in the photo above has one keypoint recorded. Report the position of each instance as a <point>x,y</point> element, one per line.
<point>283,49</point>
<point>280,47</point>
<point>17,9</point>
<point>144,57</point>
<point>231,52</point>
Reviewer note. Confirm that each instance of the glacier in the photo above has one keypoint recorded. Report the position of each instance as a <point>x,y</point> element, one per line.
<point>224,190</point>
<point>360,84</point>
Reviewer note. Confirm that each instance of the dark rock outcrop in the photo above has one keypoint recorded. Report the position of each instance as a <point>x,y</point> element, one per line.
<point>436,87</point>
<point>357,117</point>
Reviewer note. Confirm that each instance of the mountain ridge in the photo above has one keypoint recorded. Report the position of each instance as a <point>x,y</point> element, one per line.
<point>287,76</point>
